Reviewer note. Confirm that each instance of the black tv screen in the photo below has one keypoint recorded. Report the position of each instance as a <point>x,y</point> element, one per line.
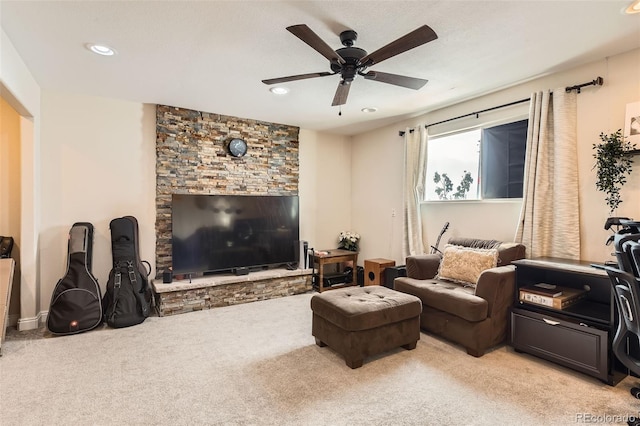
<point>226,232</point>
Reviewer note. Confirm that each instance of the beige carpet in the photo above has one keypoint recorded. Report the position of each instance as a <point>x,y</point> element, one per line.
<point>257,363</point>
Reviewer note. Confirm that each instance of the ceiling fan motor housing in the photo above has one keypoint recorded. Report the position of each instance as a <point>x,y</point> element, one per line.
<point>351,56</point>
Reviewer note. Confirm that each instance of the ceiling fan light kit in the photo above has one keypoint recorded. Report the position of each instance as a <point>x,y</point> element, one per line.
<point>350,61</point>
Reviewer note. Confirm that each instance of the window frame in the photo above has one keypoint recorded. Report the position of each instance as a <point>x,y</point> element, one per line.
<point>465,129</point>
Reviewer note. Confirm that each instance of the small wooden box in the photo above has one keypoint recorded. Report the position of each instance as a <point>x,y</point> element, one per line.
<point>374,270</point>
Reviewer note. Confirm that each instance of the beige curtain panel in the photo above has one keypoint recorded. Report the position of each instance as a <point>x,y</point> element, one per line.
<point>549,223</point>
<point>415,158</point>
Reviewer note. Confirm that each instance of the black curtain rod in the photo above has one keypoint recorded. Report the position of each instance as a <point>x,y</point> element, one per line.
<point>597,82</point>
<point>477,113</point>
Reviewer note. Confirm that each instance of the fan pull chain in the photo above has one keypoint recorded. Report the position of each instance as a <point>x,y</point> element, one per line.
<point>340,111</point>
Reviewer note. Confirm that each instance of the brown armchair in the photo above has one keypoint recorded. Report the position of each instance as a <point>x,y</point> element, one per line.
<point>474,317</point>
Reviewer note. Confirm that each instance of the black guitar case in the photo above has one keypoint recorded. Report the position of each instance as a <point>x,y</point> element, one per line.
<point>127,300</point>
<point>76,303</point>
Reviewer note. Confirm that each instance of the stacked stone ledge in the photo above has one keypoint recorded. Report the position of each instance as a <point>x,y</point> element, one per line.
<point>217,295</point>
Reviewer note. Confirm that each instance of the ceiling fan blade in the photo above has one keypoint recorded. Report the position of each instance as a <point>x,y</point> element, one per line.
<point>296,77</point>
<point>305,34</point>
<point>398,80</point>
<point>342,92</point>
<point>415,38</point>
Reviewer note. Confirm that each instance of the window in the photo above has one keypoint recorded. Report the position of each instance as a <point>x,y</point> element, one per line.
<point>483,163</point>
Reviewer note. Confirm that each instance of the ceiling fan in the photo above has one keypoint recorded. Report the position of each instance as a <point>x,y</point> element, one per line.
<point>350,61</point>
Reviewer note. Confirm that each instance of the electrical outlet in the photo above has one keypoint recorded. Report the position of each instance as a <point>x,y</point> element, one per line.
<point>393,212</point>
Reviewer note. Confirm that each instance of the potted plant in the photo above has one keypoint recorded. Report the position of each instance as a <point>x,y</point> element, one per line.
<point>613,164</point>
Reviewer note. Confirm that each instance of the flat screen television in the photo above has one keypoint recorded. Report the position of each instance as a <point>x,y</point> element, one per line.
<point>214,233</point>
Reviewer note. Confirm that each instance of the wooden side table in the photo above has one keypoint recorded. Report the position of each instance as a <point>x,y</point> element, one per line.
<point>320,259</point>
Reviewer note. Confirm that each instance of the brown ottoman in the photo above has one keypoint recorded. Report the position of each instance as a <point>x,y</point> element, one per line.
<point>358,322</point>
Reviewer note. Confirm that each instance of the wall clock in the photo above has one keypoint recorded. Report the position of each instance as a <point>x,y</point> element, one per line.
<point>237,147</point>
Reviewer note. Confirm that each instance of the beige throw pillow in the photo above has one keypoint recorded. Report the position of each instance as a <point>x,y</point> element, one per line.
<point>465,264</point>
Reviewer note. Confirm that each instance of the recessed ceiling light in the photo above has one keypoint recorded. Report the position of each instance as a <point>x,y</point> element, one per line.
<point>369,109</point>
<point>633,7</point>
<point>101,49</point>
<point>279,90</point>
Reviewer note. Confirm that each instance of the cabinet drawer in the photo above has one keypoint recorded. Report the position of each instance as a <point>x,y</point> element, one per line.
<point>570,344</point>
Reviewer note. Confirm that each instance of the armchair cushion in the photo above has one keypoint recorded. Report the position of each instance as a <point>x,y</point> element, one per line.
<point>453,298</point>
<point>465,264</point>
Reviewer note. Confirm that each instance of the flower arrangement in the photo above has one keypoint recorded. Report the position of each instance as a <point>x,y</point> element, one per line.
<point>349,240</point>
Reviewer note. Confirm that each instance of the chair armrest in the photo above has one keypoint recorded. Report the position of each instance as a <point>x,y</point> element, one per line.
<point>423,267</point>
<point>497,287</point>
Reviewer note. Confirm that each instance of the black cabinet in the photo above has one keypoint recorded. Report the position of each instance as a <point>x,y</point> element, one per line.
<point>578,336</point>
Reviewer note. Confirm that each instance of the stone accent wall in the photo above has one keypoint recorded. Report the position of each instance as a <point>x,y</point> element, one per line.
<point>197,299</point>
<point>192,158</point>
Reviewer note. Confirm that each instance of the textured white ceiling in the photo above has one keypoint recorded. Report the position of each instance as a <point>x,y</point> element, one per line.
<point>212,55</point>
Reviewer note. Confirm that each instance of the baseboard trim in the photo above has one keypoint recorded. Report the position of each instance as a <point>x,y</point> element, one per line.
<point>32,323</point>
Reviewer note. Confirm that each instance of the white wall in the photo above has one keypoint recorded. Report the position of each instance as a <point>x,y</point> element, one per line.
<point>325,188</point>
<point>378,155</point>
<point>378,175</point>
<point>603,110</point>
<point>99,164</point>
